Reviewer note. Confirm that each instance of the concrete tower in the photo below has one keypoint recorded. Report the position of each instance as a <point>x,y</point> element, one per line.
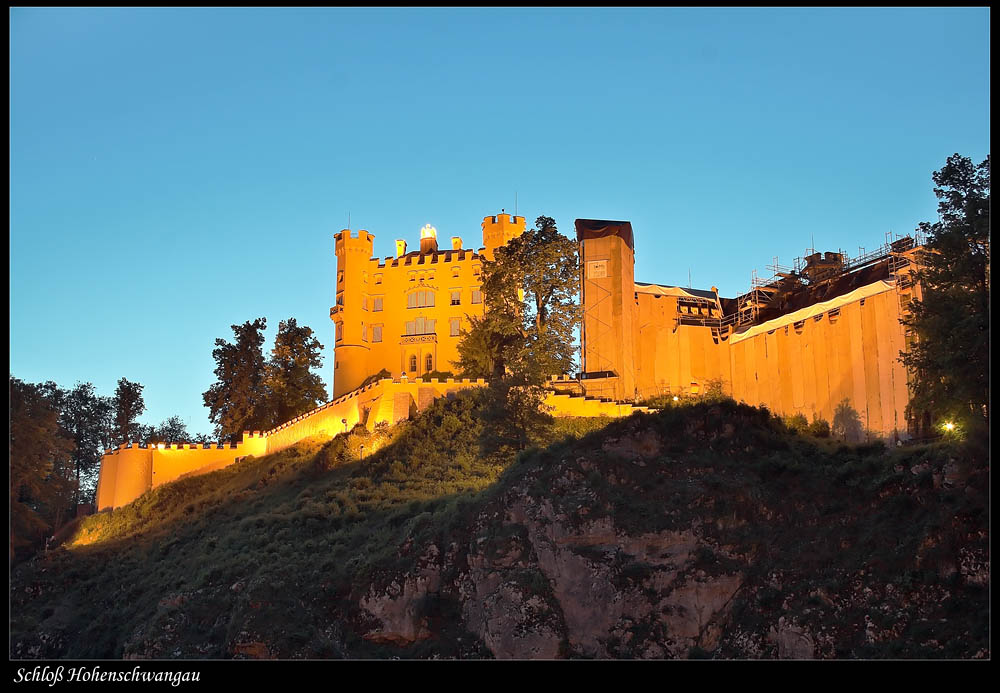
<point>607,287</point>
<point>350,349</point>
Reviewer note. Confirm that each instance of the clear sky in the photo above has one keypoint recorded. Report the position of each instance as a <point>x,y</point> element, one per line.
<point>175,171</point>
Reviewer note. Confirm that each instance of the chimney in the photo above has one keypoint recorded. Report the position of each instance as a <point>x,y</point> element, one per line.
<point>456,243</point>
<point>428,239</point>
<point>400,248</point>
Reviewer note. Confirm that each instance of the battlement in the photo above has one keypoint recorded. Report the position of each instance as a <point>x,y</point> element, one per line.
<point>344,242</point>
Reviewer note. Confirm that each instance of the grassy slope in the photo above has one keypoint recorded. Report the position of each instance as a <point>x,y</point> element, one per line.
<point>279,548</point>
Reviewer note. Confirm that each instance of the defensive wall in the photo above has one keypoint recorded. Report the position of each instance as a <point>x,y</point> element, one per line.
<point>130,471</point>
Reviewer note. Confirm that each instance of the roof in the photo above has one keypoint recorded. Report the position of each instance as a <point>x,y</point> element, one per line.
<point>602,228</point>
<point>666,290</point>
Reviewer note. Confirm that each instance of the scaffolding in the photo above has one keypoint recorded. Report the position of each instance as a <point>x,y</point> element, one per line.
<point>816,268</point>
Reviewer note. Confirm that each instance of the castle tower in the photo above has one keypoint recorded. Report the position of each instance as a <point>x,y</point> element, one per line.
<point>499,229</point>
<point>348,315</point>
<point>607,288</point>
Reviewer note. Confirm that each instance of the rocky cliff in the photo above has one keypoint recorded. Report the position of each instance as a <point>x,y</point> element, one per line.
<point>705,531</point>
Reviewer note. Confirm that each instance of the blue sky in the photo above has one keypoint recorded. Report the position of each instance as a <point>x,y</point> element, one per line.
<point>175,171</point>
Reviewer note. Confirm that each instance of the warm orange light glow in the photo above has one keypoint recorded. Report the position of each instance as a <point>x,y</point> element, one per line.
<point>949,426</point>
<point>676,398</point>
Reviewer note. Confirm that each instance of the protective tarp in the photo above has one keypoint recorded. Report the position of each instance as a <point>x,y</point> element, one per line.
<point>600,228</point>
<point>813,310</point>
<point>661,290</point>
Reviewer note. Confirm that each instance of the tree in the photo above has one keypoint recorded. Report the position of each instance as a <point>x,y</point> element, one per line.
<point>83,414</point>
<point>292,387</point>
<point>41,466</point>
<point>172,430</point>
<point>531,291</point>
<point>128,406</point>
<point>236,401</point>
<point>949,359</point>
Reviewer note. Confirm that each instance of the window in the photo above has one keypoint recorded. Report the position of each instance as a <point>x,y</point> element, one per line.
<point>428,363</point>
<point>378,278</point>
<point>477,296</point>
<point>340,331</point>
<point>430,275</point>
<point>420,326</point>
<point>420,299</point>
<point>413,276</point>
<point>340,277</point>
<point>364,301</point>
<point>364,333</point>
<point>376,304</point>
<point>475,270</point>
<point>340,298</point>
<point>456,298</point>
<point>413,363</point>
<point>456,326</point>
<point>376,333</point>
<point>455,271</point>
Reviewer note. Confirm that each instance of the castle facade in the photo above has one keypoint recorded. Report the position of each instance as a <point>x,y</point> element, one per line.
<point>404,314</point>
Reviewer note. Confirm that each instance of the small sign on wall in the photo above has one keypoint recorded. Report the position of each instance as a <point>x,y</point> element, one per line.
<point>597,269</point>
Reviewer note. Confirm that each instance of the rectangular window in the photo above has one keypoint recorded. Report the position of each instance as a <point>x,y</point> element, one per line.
<point>376,333</point>
<point>420,299</point>
<point>420,326</point>
<point>377,304</point>
<point>364,301</point>
<point>477,296</point>
<point>475,270</point>
<point>340,298</point>
<point>378,278</point>
<point>456,298</point>
<point>340,331</point>
<point>456,326</point>
<point>364,333</point>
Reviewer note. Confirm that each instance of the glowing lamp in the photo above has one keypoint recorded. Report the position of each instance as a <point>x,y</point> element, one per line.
<point>949,426</point>
<point>676,398</point>
<point>428,231</point>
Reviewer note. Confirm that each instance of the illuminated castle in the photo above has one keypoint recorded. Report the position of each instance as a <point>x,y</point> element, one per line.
<point>817,339</point>
<point>404,314</point>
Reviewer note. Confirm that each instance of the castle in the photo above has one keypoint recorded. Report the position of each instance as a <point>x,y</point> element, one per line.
<point>817,339</point>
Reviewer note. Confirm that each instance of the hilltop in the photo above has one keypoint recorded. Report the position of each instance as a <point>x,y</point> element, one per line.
<point>705,530</point>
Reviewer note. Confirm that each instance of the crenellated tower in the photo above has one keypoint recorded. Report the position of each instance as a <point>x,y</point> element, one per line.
<point>348,313</point>
<point>499,229</point>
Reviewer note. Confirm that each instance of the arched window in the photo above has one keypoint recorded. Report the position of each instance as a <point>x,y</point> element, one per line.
<point>428,363</point>
<point>413,363</point>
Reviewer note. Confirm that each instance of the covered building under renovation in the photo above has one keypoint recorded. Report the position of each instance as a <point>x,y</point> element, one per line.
<point>821,338</point>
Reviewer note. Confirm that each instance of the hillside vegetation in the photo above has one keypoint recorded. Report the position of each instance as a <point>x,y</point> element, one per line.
<point>704,530</point>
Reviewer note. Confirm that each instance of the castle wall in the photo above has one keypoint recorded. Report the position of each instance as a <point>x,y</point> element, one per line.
<point>178,459</point>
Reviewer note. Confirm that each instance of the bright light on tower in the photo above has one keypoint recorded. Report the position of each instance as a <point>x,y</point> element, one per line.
<point>428,231</point>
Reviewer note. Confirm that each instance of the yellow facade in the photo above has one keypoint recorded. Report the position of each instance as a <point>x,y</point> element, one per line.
<point>403,314</point>
<point>637,341</point>
<point>648,340</point>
